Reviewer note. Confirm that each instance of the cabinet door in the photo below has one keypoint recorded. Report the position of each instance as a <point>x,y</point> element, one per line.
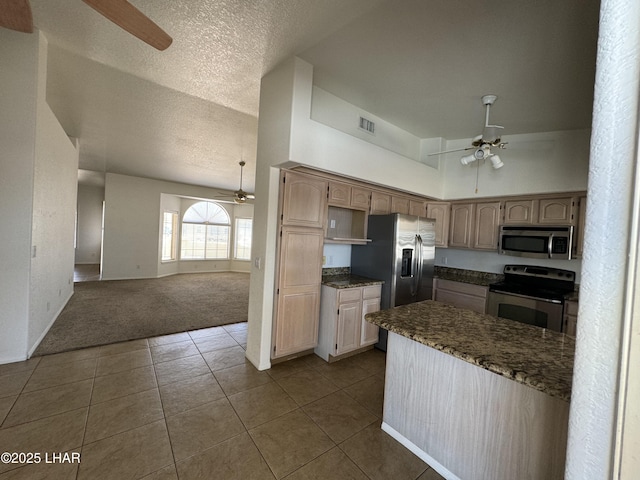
<point>519,212</point>
<point>304,201</point>
<point>487,220</point>
<point>360,198</point>
<point>369,331</point>
<point>299,278</point>
<point>460,234</point>
<point>417,207</point>
<point>348,335</point>
<point>556,210</point>
<point>339,194</point>
<point>440,211</point>
<point>399,205</point>
<point>380,203</point>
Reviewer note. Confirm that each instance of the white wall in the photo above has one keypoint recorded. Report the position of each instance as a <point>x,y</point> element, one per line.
<point>533,163</point>
<point>132,226</point>
<point>89,229</point>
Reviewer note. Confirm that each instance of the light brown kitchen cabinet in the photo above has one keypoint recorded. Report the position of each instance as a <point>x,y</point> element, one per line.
<point>360,198</point>
<point>570,317</point>
<point>462,295</point>
<point>581,221</point>
<point>399,205</point>
<point>380,203</point>
<point>556,211</point>
<point>486,226</point>
<point>418,207</point>
<point>304,200</point>
<point>343,328</point>
<point>348,196</point>
<point>298,291</point>
<point>520,212</point>
<point>440,212</point>
<point>461,225</point>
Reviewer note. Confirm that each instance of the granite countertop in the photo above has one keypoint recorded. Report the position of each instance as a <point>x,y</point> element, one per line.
<point>467,276</point>
<point>539,358</point>
<point>348,281</point>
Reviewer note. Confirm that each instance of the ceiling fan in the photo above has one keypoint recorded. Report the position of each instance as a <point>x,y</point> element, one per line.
<point>16,15</point>
<point>239,196</point>
<point>482,143</point>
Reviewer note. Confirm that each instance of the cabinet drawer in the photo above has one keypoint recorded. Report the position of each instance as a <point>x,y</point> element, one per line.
<point>571,308</point>
<point>459,287</point>
<point>371,292</point>
<point>349,295</point>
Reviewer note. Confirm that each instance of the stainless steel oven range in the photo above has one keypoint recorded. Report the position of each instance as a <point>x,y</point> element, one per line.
<point>533,295</point>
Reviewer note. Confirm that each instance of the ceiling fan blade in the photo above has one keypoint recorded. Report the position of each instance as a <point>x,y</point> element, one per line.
<point>16,15</point>
<point>251,196</point>
<point>128,17</point>
<point>451,151</point>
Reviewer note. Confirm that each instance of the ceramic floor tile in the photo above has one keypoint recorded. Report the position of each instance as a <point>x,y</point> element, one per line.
<point>50,376</point>
<point>187,394</point>
<point>240,337</point>
<point>339,415</point>
<point>369,393</point>
<point>430,474</point>
<point>380,457</point>
<point>120,362</point>
<point>236,327</point>
<point>69,357</point>
<point>218,342</point>
<point>330,465</point>
<point>373,361</point>
<point>13,383</point>
<point>123,347</point>
<point>5,405</point>
<point>241,378</point>
<point>343,373</point>
<point>122,414</point>
<point>180,369</point>
<point>306,386</point>
<point>16,367</point>
<point>207,332</point>
<point>279,370</point>
<point>166,339</point>
<point>124,383</point>
<point>202,427</point>
<point>262,404</point>
<point>289,442</point>
<point>225,358</point>
<point>49,401</point>
<point>58,433</point>
<point>234,459</point>
<point>46,469</point>
<point>132,454</point>
<point>164,353</point>
<point>166,473</point>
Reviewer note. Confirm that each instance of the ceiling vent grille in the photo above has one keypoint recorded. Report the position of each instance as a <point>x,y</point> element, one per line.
<point>367,125</point>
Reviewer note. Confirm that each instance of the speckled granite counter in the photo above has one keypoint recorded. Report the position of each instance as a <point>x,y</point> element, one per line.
<point>467,276</point>
<point>348,281</point>
<point>539,358</point>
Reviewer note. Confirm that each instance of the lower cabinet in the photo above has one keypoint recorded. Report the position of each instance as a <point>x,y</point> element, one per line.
<point>459,294</point>
<point>570,318</point>
<point>343,328</point>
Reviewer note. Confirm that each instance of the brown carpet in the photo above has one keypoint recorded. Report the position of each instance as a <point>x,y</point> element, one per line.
<point>113,311</point>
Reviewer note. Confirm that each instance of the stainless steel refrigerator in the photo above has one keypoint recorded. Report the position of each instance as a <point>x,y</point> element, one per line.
<point>401,252</point>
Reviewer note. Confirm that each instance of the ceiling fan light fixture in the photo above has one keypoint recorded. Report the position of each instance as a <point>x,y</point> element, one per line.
<point>467,159</point>
<point>496,163</point>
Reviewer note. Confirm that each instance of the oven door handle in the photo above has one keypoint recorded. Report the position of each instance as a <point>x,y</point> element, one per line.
<point>548,300</point>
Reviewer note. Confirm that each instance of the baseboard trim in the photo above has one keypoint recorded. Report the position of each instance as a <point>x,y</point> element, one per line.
<point>418,452</point>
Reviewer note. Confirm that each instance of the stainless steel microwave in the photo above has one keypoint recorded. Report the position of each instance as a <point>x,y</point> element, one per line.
<point>536,241</point>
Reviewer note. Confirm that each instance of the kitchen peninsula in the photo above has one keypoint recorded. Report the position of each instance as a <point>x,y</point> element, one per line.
<point>475,396</point>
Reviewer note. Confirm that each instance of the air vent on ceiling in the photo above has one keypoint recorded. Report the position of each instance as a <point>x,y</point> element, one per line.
<point>367,125</point>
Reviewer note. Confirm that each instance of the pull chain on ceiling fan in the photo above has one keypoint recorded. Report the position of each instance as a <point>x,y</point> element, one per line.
<point>16,15</point>
<point>482,143</point>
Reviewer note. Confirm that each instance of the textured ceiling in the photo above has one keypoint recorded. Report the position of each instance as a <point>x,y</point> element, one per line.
<point>189,113</point>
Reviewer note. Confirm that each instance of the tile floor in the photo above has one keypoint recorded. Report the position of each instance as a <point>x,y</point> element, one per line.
<point>189,406</point>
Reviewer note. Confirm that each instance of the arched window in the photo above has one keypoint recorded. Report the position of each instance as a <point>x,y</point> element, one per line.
<point>205,232</point>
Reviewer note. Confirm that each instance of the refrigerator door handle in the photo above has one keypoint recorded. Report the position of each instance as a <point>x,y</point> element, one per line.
<point>420,265</point>
<point>417,258</point>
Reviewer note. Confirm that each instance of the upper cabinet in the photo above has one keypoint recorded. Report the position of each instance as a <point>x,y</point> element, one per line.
<point>440,212</point>
<point>400,205</point>
<point>460,233</point>
<point>557,210</point>
<point>419,208</point>
<point>520,212</point>
<point>348,196</point>
<point>486,226</point>
<point>380,203</point>
<point>540,211</point>
<point>360,198</point>
<point>304,203</point>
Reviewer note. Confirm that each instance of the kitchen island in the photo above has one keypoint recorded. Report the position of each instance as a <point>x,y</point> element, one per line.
<point>475,396</point>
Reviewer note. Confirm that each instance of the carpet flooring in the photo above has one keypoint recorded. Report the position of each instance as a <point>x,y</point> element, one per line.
<point>111,311</point>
